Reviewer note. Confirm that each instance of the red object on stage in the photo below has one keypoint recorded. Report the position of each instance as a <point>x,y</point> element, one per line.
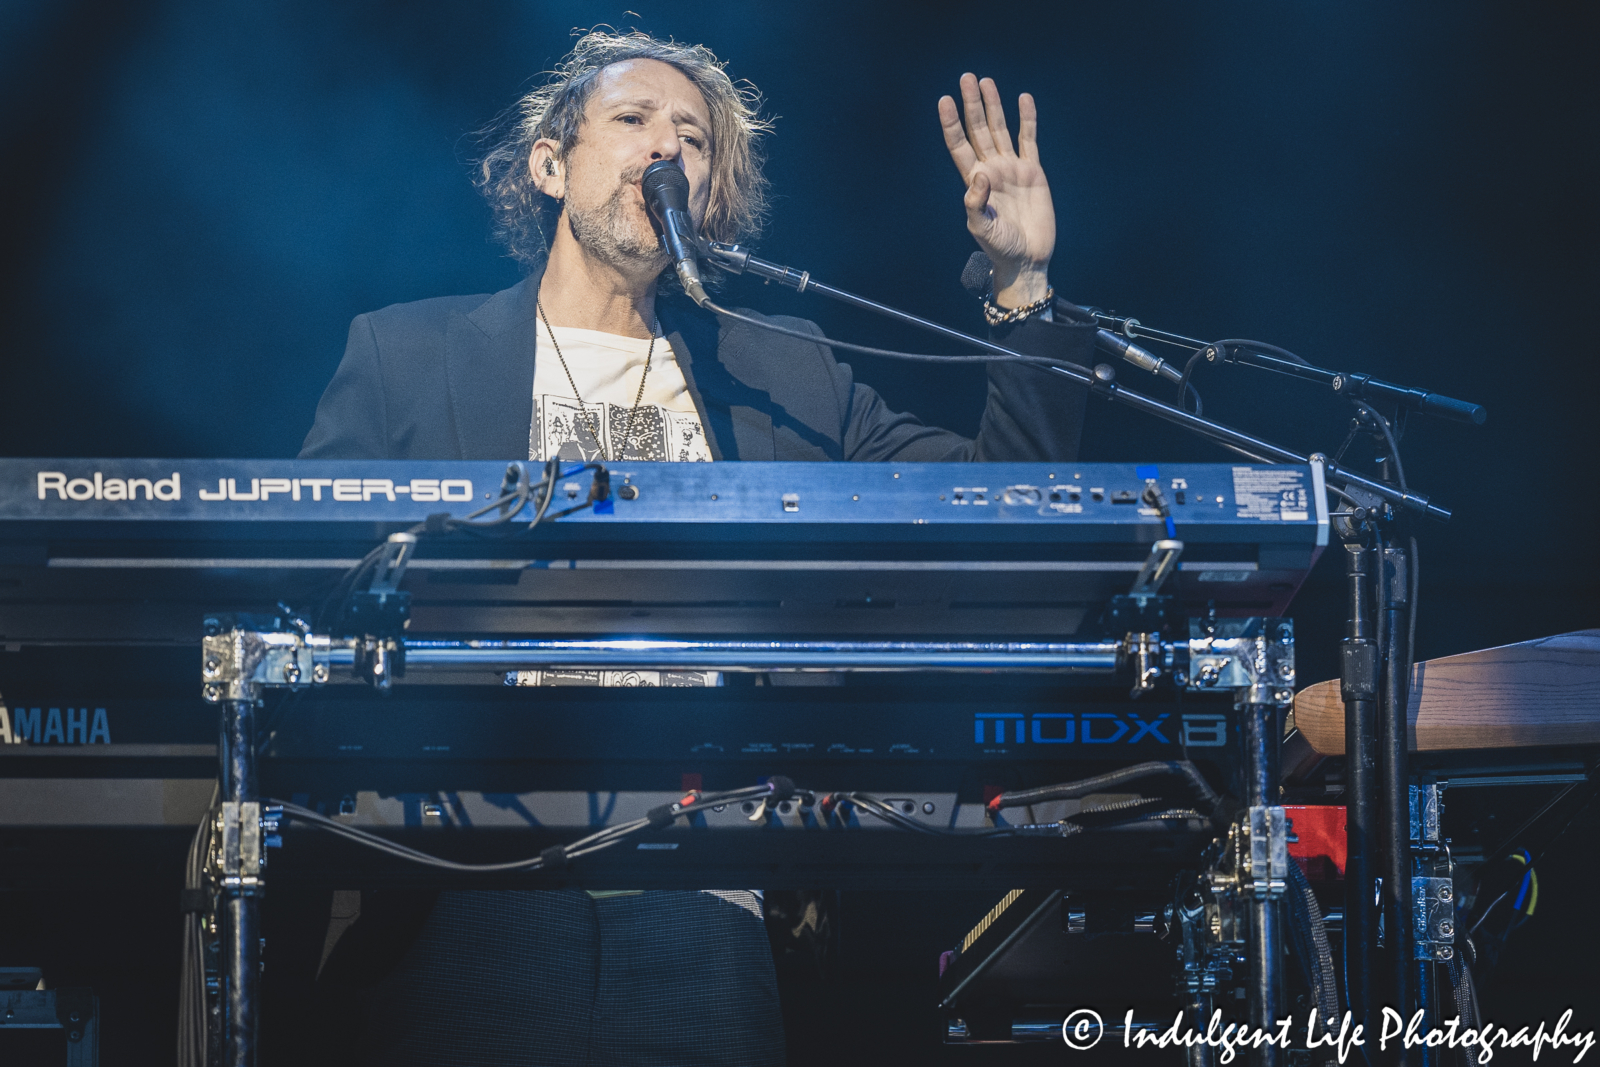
<point>1320,849</point>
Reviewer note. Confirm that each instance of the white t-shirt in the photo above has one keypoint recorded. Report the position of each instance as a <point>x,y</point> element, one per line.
<point>606,368</point>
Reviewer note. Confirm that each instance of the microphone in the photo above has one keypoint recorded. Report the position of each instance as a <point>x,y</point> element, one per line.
<point>975,278</point>
<point>666,194</point>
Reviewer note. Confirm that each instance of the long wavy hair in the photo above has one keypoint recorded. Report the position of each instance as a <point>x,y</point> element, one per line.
<point>738,201</point>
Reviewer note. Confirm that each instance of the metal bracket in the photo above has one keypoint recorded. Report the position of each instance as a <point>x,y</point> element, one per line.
<point>1358,677</point>
<point>1433,918</point>
<point>1392,576</point>
<point>397,552</point>
<point>238,661</point>
<point>1267,838</point>
<point>1425,807</point>
<point>1254,657</point>
<point>379,615</point>
<point>1148,656</point>
<point>240,857</point>
<point>379,660</point>
<point>1433,895</point>
<point>1158,567</point>
<point>1141,614</point>
<point>1319,495</point>
<point>1208,933</point>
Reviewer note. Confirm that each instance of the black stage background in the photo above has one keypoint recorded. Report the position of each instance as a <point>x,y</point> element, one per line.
<point>199,196</point>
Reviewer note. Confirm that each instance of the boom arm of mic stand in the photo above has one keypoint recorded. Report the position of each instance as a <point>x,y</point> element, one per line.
<point>738,260</point>
<point>1365,386</point>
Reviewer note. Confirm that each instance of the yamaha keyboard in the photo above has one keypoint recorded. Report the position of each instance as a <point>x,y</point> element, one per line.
<point>139,551</point>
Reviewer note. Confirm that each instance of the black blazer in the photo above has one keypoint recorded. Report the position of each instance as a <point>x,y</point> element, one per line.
<point>452,378</point>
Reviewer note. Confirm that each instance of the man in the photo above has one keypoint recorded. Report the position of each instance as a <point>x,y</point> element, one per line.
<point>587,357</point>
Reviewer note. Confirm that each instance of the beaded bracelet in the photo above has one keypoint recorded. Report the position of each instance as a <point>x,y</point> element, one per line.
<point>999,316</point>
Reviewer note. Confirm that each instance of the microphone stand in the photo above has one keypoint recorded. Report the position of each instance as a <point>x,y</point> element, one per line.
<point>1102,380</point>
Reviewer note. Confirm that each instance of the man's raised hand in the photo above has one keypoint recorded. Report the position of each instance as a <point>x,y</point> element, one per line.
<point>1008,204</point>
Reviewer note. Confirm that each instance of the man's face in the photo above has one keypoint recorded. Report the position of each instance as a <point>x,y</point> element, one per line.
<point>641,111</point>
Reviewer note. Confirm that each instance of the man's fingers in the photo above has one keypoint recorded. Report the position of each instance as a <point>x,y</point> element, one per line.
<point>977,199</point>
<point>1027,128</point>
<point>977,122</point>
<point>955,139</point>
<point>995,116</point>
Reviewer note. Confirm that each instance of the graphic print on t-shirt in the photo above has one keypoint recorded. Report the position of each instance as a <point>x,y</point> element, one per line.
<point>649,433</point>
<point>607,370</point>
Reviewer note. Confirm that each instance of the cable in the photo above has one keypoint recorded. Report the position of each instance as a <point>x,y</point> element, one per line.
<point>1504,848</point>
<point>549,492</point>
<point>886,812</point>
<point>1411,624</point>
<point>915,357</point>
<point>1464,990</point>
<point>278,717</point>
<point>192,1006</point>
<point>1259,346</point>
<point>1529,860</point>
<point>1346,497</point>
<point>1349,439</point>
<point>1380,628</point>
<point>1115,807</point>
<point>1100,783</point>
<point>1139,333</point>
<point>776,789</point>
<point>1311,944</point>
<point>1389,438</point>
<point>345,585</point>
<point>1184,388</point>
<point>510,504</point>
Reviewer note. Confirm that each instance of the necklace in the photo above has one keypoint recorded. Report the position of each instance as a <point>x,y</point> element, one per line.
<point>588,416</point>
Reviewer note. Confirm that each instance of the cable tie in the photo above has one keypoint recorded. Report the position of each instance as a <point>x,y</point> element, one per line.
<point>554,857</point>
<point>435,523</point>
<point>661,816</point>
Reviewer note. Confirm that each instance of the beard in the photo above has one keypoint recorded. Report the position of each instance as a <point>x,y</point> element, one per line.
<point>611,231</point>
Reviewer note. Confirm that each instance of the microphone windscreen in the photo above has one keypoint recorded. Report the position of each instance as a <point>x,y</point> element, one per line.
<point>666,184</point>
<point>976,277</point>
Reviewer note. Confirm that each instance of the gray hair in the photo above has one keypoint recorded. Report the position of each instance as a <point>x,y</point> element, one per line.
<point>555,110</point>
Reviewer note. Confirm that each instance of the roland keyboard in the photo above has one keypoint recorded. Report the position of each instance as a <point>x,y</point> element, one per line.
<point>139,551</point>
